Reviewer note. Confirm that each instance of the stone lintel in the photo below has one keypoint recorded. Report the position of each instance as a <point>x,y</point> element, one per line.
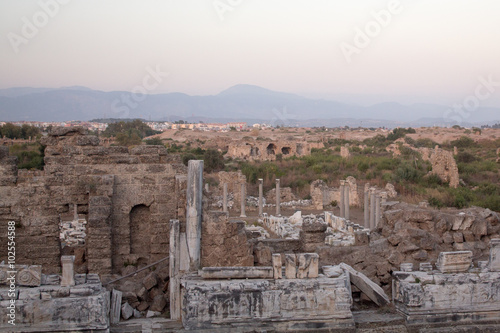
<point>237,272</point>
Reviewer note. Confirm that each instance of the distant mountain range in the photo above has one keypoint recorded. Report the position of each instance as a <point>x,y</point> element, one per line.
<point>238,103</point>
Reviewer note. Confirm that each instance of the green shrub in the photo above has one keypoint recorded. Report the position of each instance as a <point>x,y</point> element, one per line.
<point>363,167</point>
<point>464,142</point>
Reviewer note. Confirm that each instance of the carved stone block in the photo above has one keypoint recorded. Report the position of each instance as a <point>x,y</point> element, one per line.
<point>308,266</point>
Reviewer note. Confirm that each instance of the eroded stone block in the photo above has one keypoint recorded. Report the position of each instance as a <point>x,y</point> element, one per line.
<point>308,266</point>
<point>277,270</point>
<point>454,262</point>
<point>290,266</point>
<point>494,264</point>
<point>68,274</point>
<point>28,276</point>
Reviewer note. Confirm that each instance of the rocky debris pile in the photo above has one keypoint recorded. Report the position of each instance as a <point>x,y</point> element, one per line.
<point>257,232</point>
<point>411,234</point>
<point>286,195</point>
<point>297,203</point>
<point>254,201</point>
<point>219,201</point>
<point>288,228</point>
<point>72,233</point>
<point>147,298</point>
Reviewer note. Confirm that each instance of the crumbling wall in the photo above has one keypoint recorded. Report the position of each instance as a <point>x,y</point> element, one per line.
<point>105,183</point>
<point>443,164</point>
<point>224,242</point>
<point>322,195</point>
<point>286,195</point>
<point>267,150</point>
<point>411,234</point>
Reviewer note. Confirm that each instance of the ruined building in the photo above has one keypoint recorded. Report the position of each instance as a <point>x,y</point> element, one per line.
<point>96,212</point>
<point>267,151</point>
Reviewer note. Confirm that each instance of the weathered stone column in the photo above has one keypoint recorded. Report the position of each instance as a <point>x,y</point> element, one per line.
<point>377,209</point>
<point>372,208</point>
<point>367,205</point>
<point>68,272</point>
<point>193,213</point>
<point>494,264</point>
<point>224,198</point>
<point>277,270</point>
<point>261,194</point>
<point>342,198</point>
<point>346,200</point>
<point>207,187</point>
<point>243,200</point>
<point>278,198</point>
<point>174,265</point>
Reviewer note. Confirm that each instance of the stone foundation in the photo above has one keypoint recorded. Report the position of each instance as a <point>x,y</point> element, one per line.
<point>282,304</point>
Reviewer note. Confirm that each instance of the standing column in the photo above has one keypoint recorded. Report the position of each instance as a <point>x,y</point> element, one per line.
<point>372,208</point>
<point>367,206</point>
<point>243,200</point>
<point>278,198</point>
<point>377,209</point>
<point>193,213</point>
<point>68,271</point>
<point>174,266</point>
<point>261,194</point>
<point>346,200</point>
<point>342,198</point>
<point>224,198</point>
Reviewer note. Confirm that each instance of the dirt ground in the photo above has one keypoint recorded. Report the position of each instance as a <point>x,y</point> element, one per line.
<point>437,134</point>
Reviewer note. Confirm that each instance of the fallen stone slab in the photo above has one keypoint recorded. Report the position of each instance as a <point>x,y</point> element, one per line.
<point>367,286</point>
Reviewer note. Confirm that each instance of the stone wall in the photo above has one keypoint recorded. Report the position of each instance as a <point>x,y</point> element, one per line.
<point>267,150</point>
<point>224,242</point>
<point>443,164</point>
<point>106,184</point>
<point>408,233</point>
<point>283,304</point>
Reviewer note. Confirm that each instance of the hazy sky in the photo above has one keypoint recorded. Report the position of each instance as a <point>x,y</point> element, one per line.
<point>426,51</point>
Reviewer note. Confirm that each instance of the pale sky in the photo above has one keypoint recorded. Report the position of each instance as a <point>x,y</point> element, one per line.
<point>430,51</point>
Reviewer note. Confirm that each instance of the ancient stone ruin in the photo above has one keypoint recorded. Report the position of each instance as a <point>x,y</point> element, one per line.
<point>105,235</point>
<point>268,150</point>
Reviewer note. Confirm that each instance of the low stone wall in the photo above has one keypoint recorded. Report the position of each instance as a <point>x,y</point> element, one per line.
<point>282,304</point>
<point>52,308</point>
<point>428,297</point>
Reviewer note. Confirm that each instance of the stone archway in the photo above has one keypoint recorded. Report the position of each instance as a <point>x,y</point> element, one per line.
<point>271,149</point>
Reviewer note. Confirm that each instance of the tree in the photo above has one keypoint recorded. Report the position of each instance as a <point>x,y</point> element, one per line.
<point>154,141</point>
<point>128,138</point>
<point>213,160</point>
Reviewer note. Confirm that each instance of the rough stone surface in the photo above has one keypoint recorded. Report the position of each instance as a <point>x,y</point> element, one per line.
<point>285,303</point>
<point>454,262</point>
<point>425,297</point>
<point>123,194</point>
<point>224,243</point>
